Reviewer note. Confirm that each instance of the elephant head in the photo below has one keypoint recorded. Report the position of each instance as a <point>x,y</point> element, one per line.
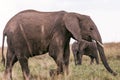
<point>83,29</point>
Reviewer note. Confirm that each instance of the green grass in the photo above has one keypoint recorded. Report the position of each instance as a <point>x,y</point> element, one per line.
<point>40,66</point>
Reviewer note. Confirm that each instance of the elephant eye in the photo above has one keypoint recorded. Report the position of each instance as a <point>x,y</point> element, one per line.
<point>91,28</point>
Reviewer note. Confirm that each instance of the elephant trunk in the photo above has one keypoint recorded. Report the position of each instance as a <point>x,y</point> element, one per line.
<point>103,58</point>
<point>96,36</point>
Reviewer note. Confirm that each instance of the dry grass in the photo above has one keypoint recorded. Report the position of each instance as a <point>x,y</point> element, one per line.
<point>40,66</point>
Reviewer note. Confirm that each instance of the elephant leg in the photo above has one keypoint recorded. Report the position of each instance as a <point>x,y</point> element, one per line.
<point>66,59</point>
<point>92,59</point>
<point>11,60</point>
<point>59,62</point>
<point>79,57</point>
<point>97,59</point>
<point>23,60</point>
<point>95,55</point>
<point>75,57</point>
<point>57,55</point>
<point>25,69</point>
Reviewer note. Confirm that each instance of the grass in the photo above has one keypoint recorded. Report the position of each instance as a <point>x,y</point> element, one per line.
<point>40,66</point>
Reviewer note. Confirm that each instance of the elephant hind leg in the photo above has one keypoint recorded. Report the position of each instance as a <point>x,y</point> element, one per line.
<point>11,60</point>
<point>24,65</point>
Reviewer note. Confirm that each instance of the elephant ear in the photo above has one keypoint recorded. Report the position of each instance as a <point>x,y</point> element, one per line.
<point>72,24</point>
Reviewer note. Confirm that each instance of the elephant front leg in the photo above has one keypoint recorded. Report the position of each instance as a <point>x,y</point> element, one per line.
<point>92,59</point>
<point>79,57</point>
<point>97,59</point>
<point>75,57</point>
<point>59,51</point>
<point>59,61</point>
<point>66,59</point>
<point>24,65</point>
<point>57,55</point>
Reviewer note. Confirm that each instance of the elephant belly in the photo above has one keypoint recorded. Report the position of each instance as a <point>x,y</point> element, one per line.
<point>39,46</point>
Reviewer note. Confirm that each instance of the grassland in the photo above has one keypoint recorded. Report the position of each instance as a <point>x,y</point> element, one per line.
<point>40,66</point>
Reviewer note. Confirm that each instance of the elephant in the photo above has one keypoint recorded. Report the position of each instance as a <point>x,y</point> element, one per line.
<point>31,32</point>
<point>90,49</point>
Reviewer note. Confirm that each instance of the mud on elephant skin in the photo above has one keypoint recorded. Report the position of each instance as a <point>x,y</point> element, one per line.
<point>89,49</point>
<point>32,32</point>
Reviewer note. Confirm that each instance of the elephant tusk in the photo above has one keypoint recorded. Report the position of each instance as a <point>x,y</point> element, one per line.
<point>93,41</point>
<point>100,44</point>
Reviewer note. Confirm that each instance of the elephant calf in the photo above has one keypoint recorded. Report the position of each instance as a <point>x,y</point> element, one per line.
<point>89,49</point>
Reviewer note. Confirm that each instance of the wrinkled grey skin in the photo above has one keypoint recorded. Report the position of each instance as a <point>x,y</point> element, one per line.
<point>31,33</point>
<point>90,49</point>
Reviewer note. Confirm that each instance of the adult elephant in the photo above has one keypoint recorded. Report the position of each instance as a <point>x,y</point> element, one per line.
<point>31,33</point>
<point>88,49</point>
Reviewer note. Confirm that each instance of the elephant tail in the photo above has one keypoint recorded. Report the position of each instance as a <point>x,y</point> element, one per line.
<point>3,58</point>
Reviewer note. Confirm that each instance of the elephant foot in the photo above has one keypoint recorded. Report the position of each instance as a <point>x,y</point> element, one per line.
<point>97,63</point>
<point>114,74</point>
<point>79,63</point>
<point>91,63</point>
<point>55,75</point>
<point>53,72</point>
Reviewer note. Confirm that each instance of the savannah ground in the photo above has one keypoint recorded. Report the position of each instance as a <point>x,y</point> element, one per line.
<point>40,66</point>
